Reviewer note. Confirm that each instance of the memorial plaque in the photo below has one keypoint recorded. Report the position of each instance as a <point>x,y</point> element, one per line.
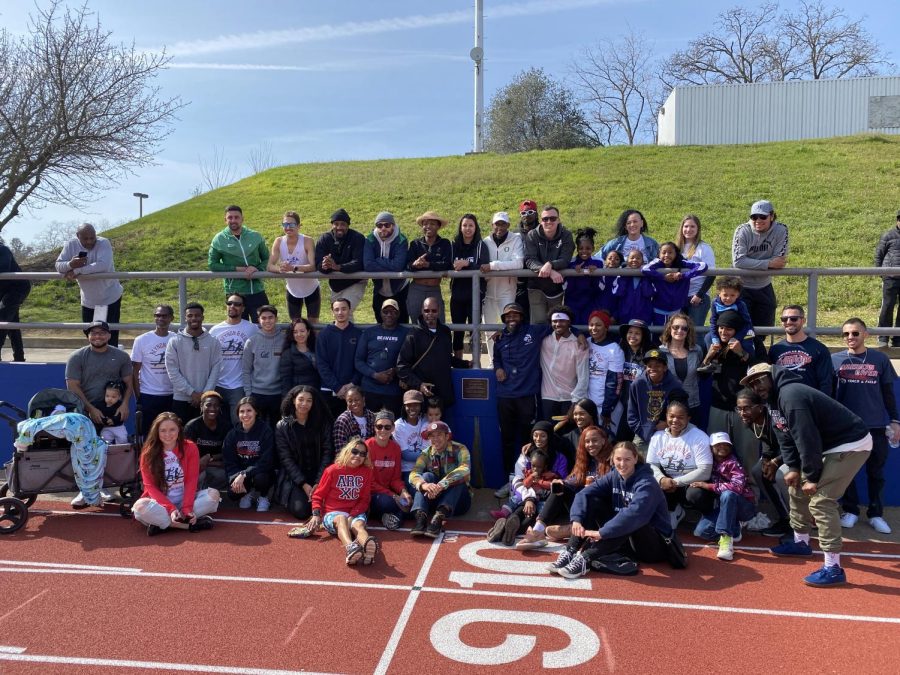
<point>475,388</point>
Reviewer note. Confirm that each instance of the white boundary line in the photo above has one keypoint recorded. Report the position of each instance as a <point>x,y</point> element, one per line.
<point>394,641</point>
<point>13,654</point>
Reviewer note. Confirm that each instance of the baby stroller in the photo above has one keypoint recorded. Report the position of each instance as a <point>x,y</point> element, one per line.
<point>45,466</point>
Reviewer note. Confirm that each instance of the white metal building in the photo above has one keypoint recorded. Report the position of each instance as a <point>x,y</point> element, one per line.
<point>722,114</point>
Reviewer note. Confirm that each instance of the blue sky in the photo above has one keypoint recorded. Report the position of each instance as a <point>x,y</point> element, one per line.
<point>355,79</point>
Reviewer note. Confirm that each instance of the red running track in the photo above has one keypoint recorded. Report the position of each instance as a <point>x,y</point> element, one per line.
<point>91,593</point>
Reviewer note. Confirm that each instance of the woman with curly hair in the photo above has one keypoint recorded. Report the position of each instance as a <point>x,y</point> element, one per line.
<point>169,469</point>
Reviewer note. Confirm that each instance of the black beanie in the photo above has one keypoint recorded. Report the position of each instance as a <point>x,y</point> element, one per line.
<point>341,215</point>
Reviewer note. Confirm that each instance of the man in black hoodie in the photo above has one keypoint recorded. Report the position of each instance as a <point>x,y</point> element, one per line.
<point>823,445</point>
<point>341,250</point>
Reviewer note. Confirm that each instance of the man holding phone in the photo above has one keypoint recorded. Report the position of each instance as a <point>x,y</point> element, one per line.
<point>86,255</point>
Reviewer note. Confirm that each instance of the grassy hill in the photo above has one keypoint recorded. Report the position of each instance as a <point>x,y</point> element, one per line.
<point>836,196</point>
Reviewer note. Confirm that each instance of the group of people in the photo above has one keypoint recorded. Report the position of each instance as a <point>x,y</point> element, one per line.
<point>270,412</point>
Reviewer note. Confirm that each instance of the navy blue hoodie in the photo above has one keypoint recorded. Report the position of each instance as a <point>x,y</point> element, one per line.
<point>644,396</point>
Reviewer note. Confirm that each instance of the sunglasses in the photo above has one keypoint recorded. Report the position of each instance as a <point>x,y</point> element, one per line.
<point>429,311</point>
<point>384,427</point>
<point>232,303</point>
<point>160,316</point>
<point>679,328</point>
<point>196,343</point>
<point>758,216</point>
<point>791,319</point>
<point>531,212</point>
<point>549,219</point>
<point>382,226</point>
<point>287,224</point>
<point>358,453</point>
<point>851,333</point>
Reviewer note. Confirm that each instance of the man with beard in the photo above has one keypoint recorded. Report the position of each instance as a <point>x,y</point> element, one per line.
<point>240,249</point>
<point>376,359</point>
<point>232,335</point>
<point>193,359</point>
<point>341,251</point>
<point>426,356</point>
<point>528,220</point>
<point>548,249</point>
<point>802,353</point>
<point>152,386</point>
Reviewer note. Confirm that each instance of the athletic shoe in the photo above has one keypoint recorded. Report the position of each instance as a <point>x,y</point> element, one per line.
<point>880,525</point>
<point>262,505</point>
<point>676,516</point>
<point>736,539</point>
<point>391,521</point>
<point>370,550</point>
<point>502,493</point>
<point>827,576</point>
<point>203,523</point>
<point>563,559</point>
<point>848,520</point>
<point>436,525</point>
<point>577,567</point>
<point>153,530</point>
<point>558,532</point>
<point>726,548</point>
<point>532,539</point>
<point>511,530</point>
<point>499,513</point>
<point>354,553</point>
<point>758,523</point>
<point>105,496</point>
<point>78,501</point>
<point>418,530</point>
<point>495,534</point>
<point>710,368</point>
<point>779,529</point>
<point>246,501</point>
<point>792,549</point>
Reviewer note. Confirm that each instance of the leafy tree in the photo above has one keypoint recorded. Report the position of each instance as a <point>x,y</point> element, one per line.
<point>77,110</point>
<point>535,112</point>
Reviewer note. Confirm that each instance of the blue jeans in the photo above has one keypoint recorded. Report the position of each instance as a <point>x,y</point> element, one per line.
<point>456,500</point>
<point>382,503</point>
<point>698,312</point>
<point>726,518</point>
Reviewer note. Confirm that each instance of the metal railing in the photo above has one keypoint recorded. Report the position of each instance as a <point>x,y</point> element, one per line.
<point>812,274</point>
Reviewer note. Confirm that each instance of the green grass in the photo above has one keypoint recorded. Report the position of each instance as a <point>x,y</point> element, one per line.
<point>837,196</point>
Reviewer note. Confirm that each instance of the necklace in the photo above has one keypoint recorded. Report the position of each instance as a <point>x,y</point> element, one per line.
<point>762,429</point>
<point>864,356</point>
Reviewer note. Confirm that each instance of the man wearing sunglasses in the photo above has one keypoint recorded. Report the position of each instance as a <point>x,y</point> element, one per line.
<point>152,386</point>
<point>760,244</point>
<point>887,254</point>
<point>801,353</point>
<point>232,335</point>
<point>865,384</point>
<point>548,249</point>
<point>193,359</point>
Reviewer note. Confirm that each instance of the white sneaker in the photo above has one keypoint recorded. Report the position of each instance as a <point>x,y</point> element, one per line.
<point>880,525</point>
<point>676,516</point>
<point>848,520</point>
<point>726,548</point>
<point>105,496</point>
<point>503,492</point>
<point>246,501</point>
<point>262,505</point>
<point>79,500</point>
<point>758,523</point>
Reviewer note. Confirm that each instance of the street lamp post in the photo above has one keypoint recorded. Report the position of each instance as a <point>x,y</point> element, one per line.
<point>141,197</point>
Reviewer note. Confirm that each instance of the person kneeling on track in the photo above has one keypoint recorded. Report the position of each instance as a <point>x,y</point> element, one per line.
<point>627,512</point>
<point>340,502</point>
<point>169,469</point>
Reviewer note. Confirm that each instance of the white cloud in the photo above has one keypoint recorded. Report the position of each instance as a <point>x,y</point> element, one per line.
<point>276,38</point>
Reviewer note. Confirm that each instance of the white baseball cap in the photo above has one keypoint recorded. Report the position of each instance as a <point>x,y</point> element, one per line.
<point>500,215</point>
<point>720,437</point>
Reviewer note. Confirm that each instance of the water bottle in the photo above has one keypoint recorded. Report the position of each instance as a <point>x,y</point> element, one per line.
<point>892,440</point>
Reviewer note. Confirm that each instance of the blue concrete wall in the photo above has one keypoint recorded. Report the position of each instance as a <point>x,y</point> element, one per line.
<point>474,423</point>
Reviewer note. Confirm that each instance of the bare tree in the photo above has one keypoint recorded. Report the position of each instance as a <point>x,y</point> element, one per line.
<point>618,87</point>
<point>736,51</point>
<point>77,111</point>
<point>535,112</point>
<point>261,157</point>
<point>818,42</point>
<point>217,171</point>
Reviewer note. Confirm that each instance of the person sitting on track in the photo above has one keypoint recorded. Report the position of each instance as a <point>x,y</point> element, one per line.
<point>627,516</point>
<point>249,457</point>
<point>441,481</point>
<point>209,431</point>
<point>390,498</point>
<point>169,468</point>
<point>591,462</point>
<point>340,502</point>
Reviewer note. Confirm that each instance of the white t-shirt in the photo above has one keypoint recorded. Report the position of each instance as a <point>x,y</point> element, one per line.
<point>361,421</point>
<point>602,360</point>
<point>679,457</point>
<point>628,246</point>
<point>174,475</point>
<point>232,338</point>
<point>149,350</point>
<point>409,438</point>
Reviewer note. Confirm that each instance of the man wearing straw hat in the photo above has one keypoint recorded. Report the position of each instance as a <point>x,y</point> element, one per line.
<point>429,253</point>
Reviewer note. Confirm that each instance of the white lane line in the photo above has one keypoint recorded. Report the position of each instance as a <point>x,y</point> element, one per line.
<point>297,625</point>
<point>146,665</point>
<point>29,600</point>
<point>668,605</point>
<point>391,648</point>
<point>103,568</point>
<point>5,649</point>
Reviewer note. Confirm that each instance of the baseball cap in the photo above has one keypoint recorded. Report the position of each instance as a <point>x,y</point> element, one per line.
<point>654,354</point>
<point>500,215</point>
<point>435,426</point>
<point>413,396</point>
<point>528,204</point>
<point>720,437</point>
<point>762,208</point>
<point>390,302</point>
<point>96,324</point>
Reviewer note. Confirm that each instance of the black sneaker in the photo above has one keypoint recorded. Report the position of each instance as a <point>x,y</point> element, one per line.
<point>418,530</point>
<point>153,530</point>
<point>495,534</point>
<point>203,523</point>
<point>436,525</point>
<point>511,530</point>
<point>779,529</point>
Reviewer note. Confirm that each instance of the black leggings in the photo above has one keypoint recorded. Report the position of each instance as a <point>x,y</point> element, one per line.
<point>644,544</point>
<point>261,481</point>
<point>556,507</point>
<point>461,312</point>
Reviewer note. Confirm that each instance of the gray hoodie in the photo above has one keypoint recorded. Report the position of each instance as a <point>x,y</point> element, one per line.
<point>192,369</point>
<point>260,362</point>
<point>752,251</point>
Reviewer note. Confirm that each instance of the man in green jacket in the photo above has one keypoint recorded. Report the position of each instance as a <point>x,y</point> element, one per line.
<point>240,249</point>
